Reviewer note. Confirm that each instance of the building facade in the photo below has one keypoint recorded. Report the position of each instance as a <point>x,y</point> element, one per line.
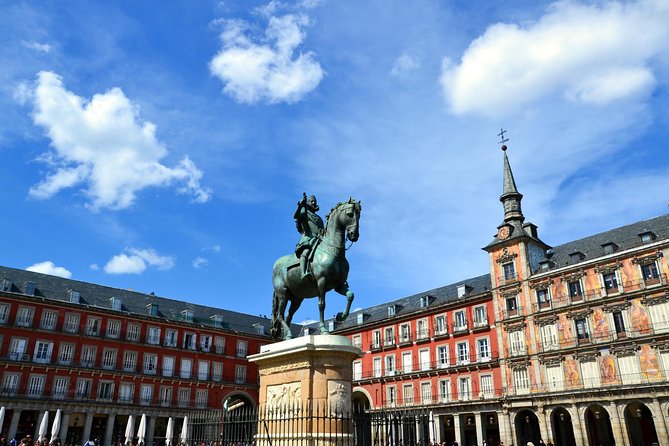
<point>577,334</point>
<point>102,354</point>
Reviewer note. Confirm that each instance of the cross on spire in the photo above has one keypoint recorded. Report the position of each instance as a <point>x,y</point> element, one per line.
<point>503,140</point>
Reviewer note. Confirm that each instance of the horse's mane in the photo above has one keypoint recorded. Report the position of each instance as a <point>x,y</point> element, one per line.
<point>338,207</point>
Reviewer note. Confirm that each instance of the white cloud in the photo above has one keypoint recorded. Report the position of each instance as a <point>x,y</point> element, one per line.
<point>267,71</point>
<point>585,53</point>
<point>103,145</point>
<point>50,268</point>
<point>200,263</point>
<point>136,261</point>
<point>40,47</point>
<point>404,65</point>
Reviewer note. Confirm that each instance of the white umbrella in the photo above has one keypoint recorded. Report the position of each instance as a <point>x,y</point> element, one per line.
<point>431,427</point>
<point>43,427</point>
<point>2,416</point>
<point>55,427</point>
<point>169,433</point>
<point>129,429</point>
<point>184,431</point>
<point>141,430</point>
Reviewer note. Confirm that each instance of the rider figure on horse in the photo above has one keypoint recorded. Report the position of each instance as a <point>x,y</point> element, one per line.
<point>309,224</point>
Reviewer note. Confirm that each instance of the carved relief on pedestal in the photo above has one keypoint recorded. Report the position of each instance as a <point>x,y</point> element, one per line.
<point>339,397</point>
<point>283,396</point>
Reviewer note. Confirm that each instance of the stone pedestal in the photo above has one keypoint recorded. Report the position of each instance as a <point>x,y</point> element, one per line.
<point>305,391</point>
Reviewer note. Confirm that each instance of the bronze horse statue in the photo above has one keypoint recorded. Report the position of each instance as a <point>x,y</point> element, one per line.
<point>329,271</point>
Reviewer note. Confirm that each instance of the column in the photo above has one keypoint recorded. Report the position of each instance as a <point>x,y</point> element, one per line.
<point>502,421</point>
<point>14,424</point>
<point>88,424</point>
<point>577,423</point>
<point>479,428</point>
<point>512,427</point>
<point>438,430</point>
<point>660,423</point>
<point>541,413</point>
<point>38,424</point>
<point>64,424</point>
<point>109,430</point>
<point>625,441</point>
<point>150,430</point>
<point>456,426</point>
<point>615,425</point>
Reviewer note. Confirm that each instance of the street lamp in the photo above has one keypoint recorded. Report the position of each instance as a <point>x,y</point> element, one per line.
<point>638,413</point>
<point>562,417</point>
<point>527,419</point>
<point>597,414</point>
<point>491,420</point>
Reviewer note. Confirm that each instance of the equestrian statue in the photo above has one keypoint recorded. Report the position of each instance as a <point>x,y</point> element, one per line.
<point>318,265</point>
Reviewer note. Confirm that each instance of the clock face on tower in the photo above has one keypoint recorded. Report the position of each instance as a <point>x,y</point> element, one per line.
<point>503,233</point>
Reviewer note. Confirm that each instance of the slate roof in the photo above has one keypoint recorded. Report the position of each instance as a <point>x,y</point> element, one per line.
<point>625,237</point>
<point>412,304</point>
<point>55,288</point>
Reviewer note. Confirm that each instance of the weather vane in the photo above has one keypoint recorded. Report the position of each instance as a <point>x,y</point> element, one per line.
<point>503,140</point>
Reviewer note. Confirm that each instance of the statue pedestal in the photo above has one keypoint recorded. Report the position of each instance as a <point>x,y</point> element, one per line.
<point>305,391</point>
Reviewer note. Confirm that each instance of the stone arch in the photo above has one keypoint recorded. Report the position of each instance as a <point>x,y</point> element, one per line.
<point>236,397</point>
<point>562,427</point>
<point>527,427</point>
<point>361,399</point>
<point>597,422</point>
<point>640,424</point>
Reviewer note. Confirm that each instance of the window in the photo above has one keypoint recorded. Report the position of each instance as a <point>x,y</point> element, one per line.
<point>647,237</point>
<point>554,378</point>
<point>582,332</point>
<point>93,326</point>
<point>165,396</point>
<point>426,392</point>
<point>153,335</point>
<point>71,323</point>
<point>549,338</point>
<point>219,345</point>
<point>576,257</point>
<point>391,311</point>
<point>42,352</point>
<point>390,365</point>
<point>75,296</point>
<point>203,370</point>
<point>129,361</point>
<point>170,338</point>
<point>17,349</point>
<point>405,333</point>
<point>590,373</point>
<point>619,324</point>
<point>201,397</point>
<point>440,325</point>
<point>407,365</point>
<point>183,397</point>
<point>511,306</point>
<point>24,317</point>
<point>521,380</point>
<point>659,315</point>
<point>575,291</point>
<point>113,329</point>
<point>105,390</point>
<point>10,383</point>
<point>186,368</point>
<point>459,320</point>
<point>30,288</point>
<point>389,336</point>
<point>543,299</point>
<point>487,387</point>
<point>376,339</point>
<point>630,371</point>
<point>132,332</point>
<point>187,315</point>
<point>49,319</point>
<point>392,395</point>
<point>407,393</point>
<point>610,282</point>
<point>609,248</point>
<point>83,388</point>
<point>424,359</point>
<point>242,349</point>
<point>463,352</point>
<point>422,331</point>
<point>464,388</point>
<point>36,385</point>
<point>240,374</point>
<point>168,365</point>
<point>189,341</point>
<point>109,358</point>
<point>205,342</point>
<point>444,391</point>
<point>377,367</point>
<point>60,387</point>
<point>509,271</point>
<point>66,354</point>
<point>88,354</point>
<point>145,394</point>
<point>357,341</point>
<point>480,317</point>
<point>544,266</point>
<point>442,356</point>
<point>150,363</point>
<point>217,371</point>
<point>517,343</point>
<point>4,313</point>
<point>650,273</point>
<point>360,318</point>
<point>357,371</point>
<point>483,349</point>
<point>125,392</point>
<point>6,284</point>
<point>424,301</point>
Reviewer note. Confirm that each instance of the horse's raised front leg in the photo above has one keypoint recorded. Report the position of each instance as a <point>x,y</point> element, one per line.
<point>344,291</point>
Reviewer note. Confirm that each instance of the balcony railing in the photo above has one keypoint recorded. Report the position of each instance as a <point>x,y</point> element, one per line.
<point>405,339</point>
<point>422,335</point>
<point>440,331</point>
<point>481,323</point>
<point>513,312</point>
<point>460,327</point>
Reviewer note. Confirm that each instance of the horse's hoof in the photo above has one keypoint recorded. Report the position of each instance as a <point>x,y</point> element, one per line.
<point>340,317</point>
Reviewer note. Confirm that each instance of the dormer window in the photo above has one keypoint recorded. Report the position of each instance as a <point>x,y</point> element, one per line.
<point>30,288</point>
<point>116,303</point>
<point>545,265</point>
<point>153,309</point>
<point>74,296</point>
<point>331,325</point>
<point>6,285</point>
<point>217,320</point>
<point>424,301</point>
<point>360,318</point>
<point>391,310</point>
<point>188,315</point>
<point>576,257</point>
<point>609,248</point>
<point>463,290</point>
<point>260,329</point>
<point>647,237</point>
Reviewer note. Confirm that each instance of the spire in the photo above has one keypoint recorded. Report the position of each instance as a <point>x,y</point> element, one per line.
<point>510,197</point>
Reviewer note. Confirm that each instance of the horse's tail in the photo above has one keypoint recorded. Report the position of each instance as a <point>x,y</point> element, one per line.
<point>276,326</point>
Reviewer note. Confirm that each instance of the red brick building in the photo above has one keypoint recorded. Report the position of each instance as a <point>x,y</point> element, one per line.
<point>101,354</point>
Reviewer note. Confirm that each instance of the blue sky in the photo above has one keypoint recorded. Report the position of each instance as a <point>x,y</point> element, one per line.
<point>163,146</point>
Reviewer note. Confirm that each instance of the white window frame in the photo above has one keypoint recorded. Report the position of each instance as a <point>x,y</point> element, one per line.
<point>48,320</point>
<point>72,322</point>
<point>113,328</point>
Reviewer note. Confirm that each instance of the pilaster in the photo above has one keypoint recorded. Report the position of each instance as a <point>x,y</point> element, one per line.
<point>88,424</point>
<point>479,428</point>
<point>109,430</point>
<point>618,436</point>
<point>150,430</point>
<point>660,423</point>
<point>456,426</point>
<point>14,424</point>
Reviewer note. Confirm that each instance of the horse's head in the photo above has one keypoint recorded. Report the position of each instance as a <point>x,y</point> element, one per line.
<point>350,218</point>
